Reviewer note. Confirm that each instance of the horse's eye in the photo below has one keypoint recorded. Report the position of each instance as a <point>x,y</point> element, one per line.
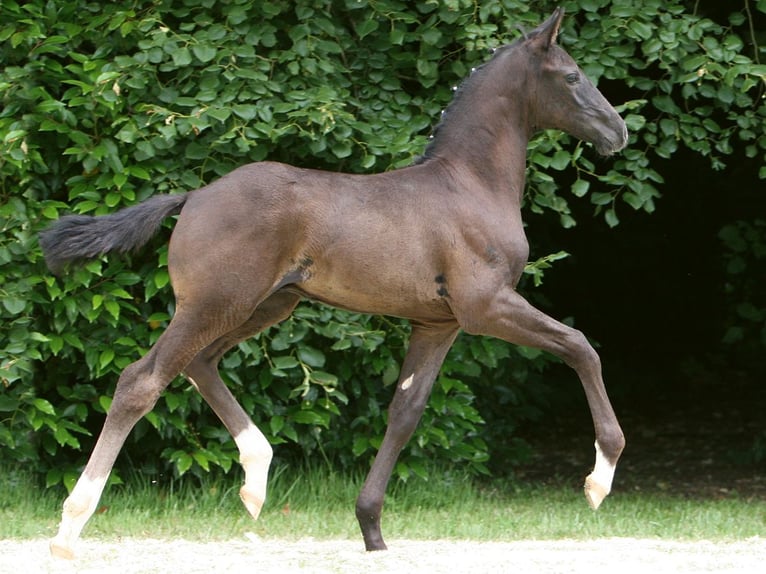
<point>573,78</point>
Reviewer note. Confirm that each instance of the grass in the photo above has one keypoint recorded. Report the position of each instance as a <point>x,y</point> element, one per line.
<point>319,503</point>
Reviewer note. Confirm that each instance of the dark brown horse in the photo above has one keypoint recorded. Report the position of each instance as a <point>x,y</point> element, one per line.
<point>440,243</point>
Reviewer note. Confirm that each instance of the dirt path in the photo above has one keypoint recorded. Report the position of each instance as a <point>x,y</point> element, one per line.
<point>138,556</point>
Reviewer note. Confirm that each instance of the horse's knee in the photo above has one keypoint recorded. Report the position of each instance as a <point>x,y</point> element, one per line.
<point>403,420</point>
<point>578,353</point>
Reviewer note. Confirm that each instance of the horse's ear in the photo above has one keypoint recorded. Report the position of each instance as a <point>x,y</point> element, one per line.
<point>547,32</point>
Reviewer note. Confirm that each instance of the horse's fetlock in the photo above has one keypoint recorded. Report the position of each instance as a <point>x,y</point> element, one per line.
<point>612,445</point>
<point>262,456</point>
<point>76,505</point>
<point>367,509</point>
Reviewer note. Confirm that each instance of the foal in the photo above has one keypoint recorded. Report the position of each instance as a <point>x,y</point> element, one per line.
<point>440,243</point>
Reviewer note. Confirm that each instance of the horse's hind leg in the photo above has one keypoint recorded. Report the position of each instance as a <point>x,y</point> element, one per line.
<point>255,451</point>
<point>138,389</point>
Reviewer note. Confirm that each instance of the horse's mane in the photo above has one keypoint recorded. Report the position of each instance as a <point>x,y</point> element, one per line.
<point>466,86</point>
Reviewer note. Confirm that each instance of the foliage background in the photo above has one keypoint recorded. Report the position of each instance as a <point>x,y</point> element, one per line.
<point>104,105</point>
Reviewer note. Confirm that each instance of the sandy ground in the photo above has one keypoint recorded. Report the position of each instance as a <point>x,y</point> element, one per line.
<point>620,555</point>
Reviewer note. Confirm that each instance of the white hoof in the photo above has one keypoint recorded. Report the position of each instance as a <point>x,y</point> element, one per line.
<point>594,493</point>
<point>252,502</point>
<point>61,550</point>
<point>599,482</point>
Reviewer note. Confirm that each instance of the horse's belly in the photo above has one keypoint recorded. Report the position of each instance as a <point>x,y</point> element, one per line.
<point>414,301</point>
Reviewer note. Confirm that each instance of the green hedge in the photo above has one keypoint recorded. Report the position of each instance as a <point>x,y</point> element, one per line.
<point>105,104</point>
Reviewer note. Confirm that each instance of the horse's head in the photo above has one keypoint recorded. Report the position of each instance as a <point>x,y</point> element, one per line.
<point>564,98</point>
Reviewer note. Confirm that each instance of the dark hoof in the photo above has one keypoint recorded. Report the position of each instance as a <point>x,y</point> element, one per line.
<point>375,547</point>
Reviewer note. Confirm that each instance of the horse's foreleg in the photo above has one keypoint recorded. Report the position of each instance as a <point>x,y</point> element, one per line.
<point>254,450</point>
<point>512,318</point>
<point>427,349</point>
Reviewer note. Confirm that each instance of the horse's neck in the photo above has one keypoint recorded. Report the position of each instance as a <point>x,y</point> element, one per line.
<point>486,132</point>
<point>493,159</point>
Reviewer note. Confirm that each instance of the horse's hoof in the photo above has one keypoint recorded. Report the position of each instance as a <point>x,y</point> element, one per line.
<point>61,550</point>
<point>252,502</point>
<point>594,493</point>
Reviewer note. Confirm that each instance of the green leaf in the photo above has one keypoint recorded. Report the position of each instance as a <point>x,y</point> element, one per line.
<point>8,404</point>
<point>204,52</point>
<point>246,111</point>
<point>310,417</point>
<point>633,200</point>
<point>276,424</point>
<point>119,179</point>
<point>161,278</point>
<point>601,198</point>
<point>431,36</point>
<point>324,379</point>
<point>70,479</point>
<point>153,419</point>
<point>342,149</point>
<point>74,341</point>
<point>51,212</point>
<point>312,357</point>
<point>44,406</point>
<point>182,57</point>
<point>396,36</point>
<point>236,15</point>
<point>139,172</point>
<point>65,438</point>
<point>172,401</point>
<point>366,28</point>
<point>183,462</point>
<point>641,29</point>
<point>14,305</point>
<point>693,63</point>
<point>360,446</point>
<point>106,357</point>
<point>611,218</point>
<point>561,159</point>
<point>220,114</point>
<point>14,135</point>
<point>580,187</point>
<point>113,308</point>
<point>590,5</point>
<point>285,362</point>
<point>105,402</point>
<point>53,477</point>
<point>202,459</point>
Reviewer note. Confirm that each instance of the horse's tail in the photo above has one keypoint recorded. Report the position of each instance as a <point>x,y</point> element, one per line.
<point>75,238</point>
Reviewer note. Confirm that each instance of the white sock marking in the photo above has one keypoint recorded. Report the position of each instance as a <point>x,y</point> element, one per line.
<point>255,454</point>
<point>406,383</point>
<point>78,508</point>
<point>603,471</point>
